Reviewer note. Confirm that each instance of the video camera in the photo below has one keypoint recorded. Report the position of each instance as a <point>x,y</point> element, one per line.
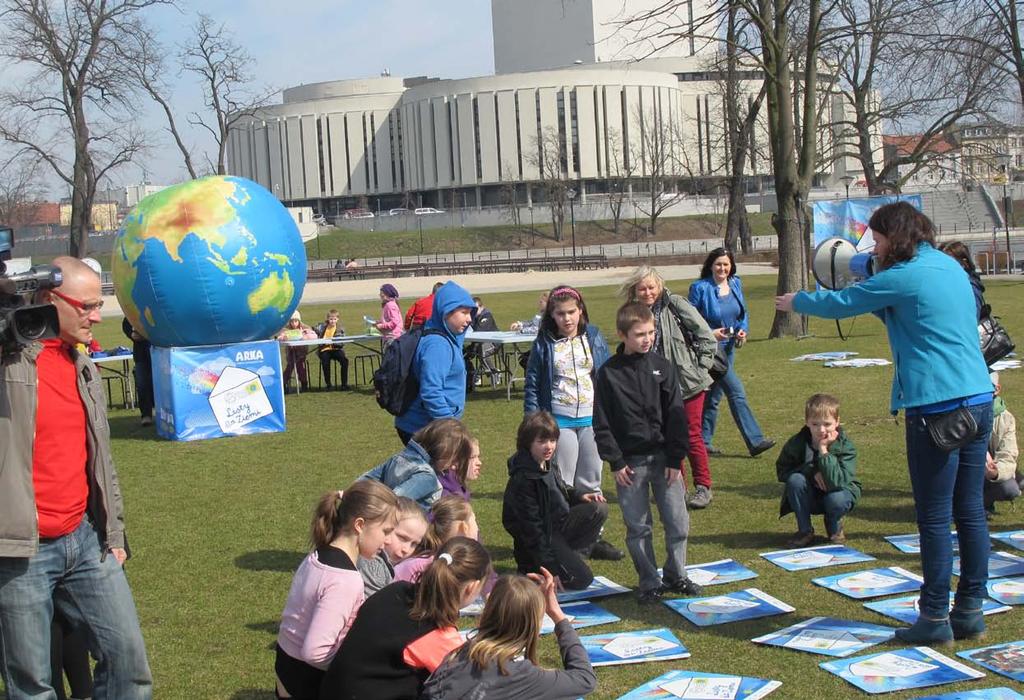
<point>22,322</point>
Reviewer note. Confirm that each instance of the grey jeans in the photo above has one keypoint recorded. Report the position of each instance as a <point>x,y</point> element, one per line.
<point>579,463</point>
<point>1006,490</point>
<point>635,502</point>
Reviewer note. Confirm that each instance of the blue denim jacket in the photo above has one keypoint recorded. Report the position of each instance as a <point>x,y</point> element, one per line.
<point>409,473</point>
<point>704,296</point>
<point>929,313</point>
<point>541,368</point>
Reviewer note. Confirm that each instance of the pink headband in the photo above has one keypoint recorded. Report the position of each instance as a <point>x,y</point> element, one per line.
<point>566,290</point>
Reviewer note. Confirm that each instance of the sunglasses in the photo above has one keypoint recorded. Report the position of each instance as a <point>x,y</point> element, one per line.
<point>80,305</point>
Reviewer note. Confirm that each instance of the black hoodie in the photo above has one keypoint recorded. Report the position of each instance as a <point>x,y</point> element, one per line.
<point>638,410</point>
<point>535,506</point>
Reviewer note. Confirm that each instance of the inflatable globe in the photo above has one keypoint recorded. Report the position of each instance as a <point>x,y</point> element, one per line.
<point>210,261</point>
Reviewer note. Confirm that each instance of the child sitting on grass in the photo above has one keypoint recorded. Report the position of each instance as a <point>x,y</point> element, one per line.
<point>547,529</point>
<point>327,589</point>
<point>500,661</point>
<point>455,481</point>
<point>450,517</point>
<point>641,431</point>
<point>818,465</point>
<point>379,571</point>
<point>415,472</point>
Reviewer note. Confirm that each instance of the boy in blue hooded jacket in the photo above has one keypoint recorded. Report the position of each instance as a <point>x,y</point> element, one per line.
<point>438,365</point>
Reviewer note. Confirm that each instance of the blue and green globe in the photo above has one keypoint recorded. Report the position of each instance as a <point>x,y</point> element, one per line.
<point>210,261</point>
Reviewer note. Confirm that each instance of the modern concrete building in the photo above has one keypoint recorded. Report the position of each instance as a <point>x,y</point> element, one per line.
<point>386,142</point>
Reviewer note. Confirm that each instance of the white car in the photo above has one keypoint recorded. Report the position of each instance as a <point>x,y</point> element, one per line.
<point>398,211</point>
<point>427,210</point>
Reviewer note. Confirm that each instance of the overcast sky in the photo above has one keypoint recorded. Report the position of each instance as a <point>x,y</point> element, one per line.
<point>308,41</point>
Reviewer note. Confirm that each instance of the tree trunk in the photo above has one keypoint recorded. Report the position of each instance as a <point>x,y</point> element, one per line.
<point>82,195</point>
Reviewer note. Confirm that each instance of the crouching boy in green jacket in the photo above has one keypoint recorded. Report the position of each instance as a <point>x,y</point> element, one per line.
<point>818,465</point>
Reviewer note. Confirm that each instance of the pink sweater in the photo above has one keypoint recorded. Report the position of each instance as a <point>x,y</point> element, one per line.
<point>390,324</point>
<point>321,607</point>
<point>410,569</point>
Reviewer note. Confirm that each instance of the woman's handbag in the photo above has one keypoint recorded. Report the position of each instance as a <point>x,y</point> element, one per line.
<point>952,430</point>
<point>720,365</point>
<point>995,341</point>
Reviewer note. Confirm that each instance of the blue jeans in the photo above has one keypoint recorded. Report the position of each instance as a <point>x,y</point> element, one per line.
<point>806,500</point>
<point>732,387</point>
<point>93,595</point>
<point>635,502</point>
<point>948,486</point>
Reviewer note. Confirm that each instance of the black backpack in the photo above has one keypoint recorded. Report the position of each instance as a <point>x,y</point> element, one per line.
<point>394,383</point>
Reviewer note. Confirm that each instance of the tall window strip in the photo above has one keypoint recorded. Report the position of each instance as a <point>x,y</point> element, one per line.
<point>395,141</point>
<point>348,153</point>
<point>563,144</point>
<point>453,134</point>
<point>574,126</point>
<point>371,151</point>
<point>707,130</point>
<point>497,134</point>
<point>700,139</point>
<point>476,138</point>
<point>302,152</point>
<point>597,133</point>
<point>519,138</point>
<point>626,136</point>
<point>320,153</point>
<point>540,135</point>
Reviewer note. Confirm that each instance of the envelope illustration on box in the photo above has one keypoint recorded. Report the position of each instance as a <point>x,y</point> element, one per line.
<point>238,398</point>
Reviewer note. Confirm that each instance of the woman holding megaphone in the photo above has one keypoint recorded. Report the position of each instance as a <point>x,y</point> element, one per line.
<point>924,298</point>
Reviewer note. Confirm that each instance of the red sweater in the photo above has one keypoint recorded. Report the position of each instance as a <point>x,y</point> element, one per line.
<point>59,453</point>
<point>419,313</point>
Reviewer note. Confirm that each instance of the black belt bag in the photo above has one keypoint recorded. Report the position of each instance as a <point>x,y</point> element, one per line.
<point>952,430</point>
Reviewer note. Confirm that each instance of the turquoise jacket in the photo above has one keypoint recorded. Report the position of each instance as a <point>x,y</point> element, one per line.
<point>928,309</point>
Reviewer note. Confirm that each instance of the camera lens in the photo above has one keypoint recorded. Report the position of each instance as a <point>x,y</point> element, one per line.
<point>35,322</point>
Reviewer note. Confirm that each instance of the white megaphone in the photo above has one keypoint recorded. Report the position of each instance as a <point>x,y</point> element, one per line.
<point>838,264</point>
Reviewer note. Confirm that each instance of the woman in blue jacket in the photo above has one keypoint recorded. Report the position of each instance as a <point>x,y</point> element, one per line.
<point>560,375</point>
<point>924,298</point>
<point>438,365</point>
<point>718,296</point>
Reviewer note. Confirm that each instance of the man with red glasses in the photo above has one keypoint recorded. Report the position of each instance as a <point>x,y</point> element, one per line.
<point>62,540</point>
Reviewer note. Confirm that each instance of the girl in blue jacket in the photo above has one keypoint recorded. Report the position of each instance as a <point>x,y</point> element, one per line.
<point>924,298</point>
<point>560,380</point>
<point>718,296</point>
<point>438,365</point>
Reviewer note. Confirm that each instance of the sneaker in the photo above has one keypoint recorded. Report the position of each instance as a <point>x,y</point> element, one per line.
<point>652,597</point>
<point>762,446</point>
<point>606,551</point>
<point>700,498</point>
<point>801,539</point>
<point>682,586</point>
<point>146,420</point>
<point>838,537</point>
<point>713,450</point>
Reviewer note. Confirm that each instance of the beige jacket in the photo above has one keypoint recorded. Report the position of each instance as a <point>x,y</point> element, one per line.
<point>19,533</point>
<point>1002,445</point>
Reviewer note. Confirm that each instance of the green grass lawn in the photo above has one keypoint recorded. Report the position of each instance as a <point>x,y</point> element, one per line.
<point>362,242</point>
<point>217,528</point>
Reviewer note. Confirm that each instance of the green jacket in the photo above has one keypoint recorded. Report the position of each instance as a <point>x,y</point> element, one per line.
<point>838,468</point>
<point>19,534</point>
<point>692,360</point>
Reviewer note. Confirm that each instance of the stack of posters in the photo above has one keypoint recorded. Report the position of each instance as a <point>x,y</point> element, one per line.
<point>911,544</point>
<point>1013,539</point>
<point>828,636</point>
<point>1005,659</point>
<point>903,669</point>
<point>702,686</point>
<point>600,588</point>
<point>616,648</point>
<point>1000,564</point>
<point>905,609</point>
<point>747,604</point>
<point>815,557</point>
<point>580,615</point>
<point>1008,591</point>
<point>718,572</point>
<point>872,583</point>
<point>979,694</point>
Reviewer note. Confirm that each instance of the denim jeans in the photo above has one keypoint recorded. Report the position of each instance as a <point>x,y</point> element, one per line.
<point>732,387</point>
<point>806,500</point>
<point>949,486</point>
<point>635,502</point>
<point>93,595</point>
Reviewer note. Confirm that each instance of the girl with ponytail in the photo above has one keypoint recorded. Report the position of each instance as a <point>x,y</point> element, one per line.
<point>327,589</point>
<point>404,631</point>
<point>450,517</point>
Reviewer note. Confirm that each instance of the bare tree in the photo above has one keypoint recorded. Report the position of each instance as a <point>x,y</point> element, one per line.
<point>224,69</point>
<point>549,157</point>
<point>896,70</point>
<point>74,103</point>
<point>20,189</point>
<point>509,193</point>
<point>618,177</point>
<point>1005,25</point>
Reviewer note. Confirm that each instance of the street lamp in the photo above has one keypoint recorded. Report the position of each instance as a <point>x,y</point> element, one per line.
<point>571,194</point>
<point>1004,165</point>
<point>847,179</point>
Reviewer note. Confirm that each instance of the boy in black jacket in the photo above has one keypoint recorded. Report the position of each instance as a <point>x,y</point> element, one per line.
<point>546,531</point>
<point>641,431</point>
